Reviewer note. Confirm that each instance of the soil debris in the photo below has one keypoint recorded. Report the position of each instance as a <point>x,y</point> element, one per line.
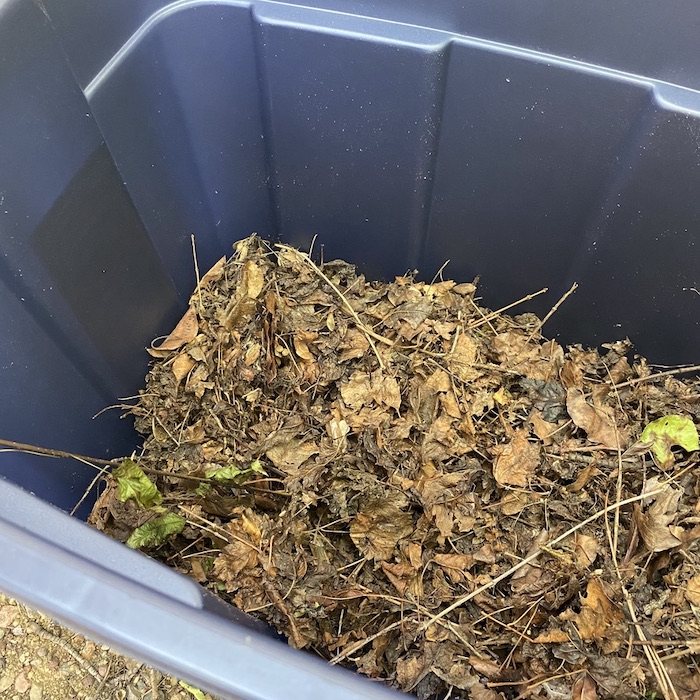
<point>42,660</point>
<point>427,491</point>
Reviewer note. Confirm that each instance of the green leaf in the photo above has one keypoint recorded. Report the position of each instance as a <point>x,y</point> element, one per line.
<point>156,531</point>
<point>667,431</point>
<point>233,474</point>
<point>203,489</point>
<point>133,483</point>
<point>198,694</point>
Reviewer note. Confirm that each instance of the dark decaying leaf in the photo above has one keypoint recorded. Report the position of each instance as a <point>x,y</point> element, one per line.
<point>345,459</point>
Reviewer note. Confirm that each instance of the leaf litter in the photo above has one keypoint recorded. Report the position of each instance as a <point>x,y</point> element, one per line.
<point>426,491</point>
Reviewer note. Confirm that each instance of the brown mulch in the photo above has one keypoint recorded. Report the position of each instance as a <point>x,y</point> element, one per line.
<point>429,492</point>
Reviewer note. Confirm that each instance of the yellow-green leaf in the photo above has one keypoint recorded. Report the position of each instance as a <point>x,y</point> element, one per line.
<point>198,694</point>
<point>156,531</point>
<point>133,483</point>
<point>233,474</point>
<point>667,431</point>
<point>203,489</point>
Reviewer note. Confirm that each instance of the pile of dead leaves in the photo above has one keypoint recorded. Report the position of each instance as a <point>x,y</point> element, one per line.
<point>426,491</point>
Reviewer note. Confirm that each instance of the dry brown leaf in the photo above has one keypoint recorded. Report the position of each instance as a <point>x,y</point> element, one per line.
<point>252,279</point>
<point>252,354</point>
<point>438,381</point>
<point>198,381</point>
<point>584,688</point>
<point>449,403</point>
<point>386,391</point>
<point>692,590</point>
<point>462,358</point>
<point>502,397</point>
<point>477,691</point>
<point>442,440</point>
<point>599,395</point>
<point>213,274</point>
<point>435,490</point>
<point>454,565</point>
<point>688,537</point>
<point>197,570</point>
<point>100,513</point>
<point>301,347</point>
<point>290,454</point>
<point>620,370</point>
<point>571,376</point>
<point>181,366</point>
<point>585,551</point>
<point>598,426</point>
<point>235,558</point>
<point>243,304</point>
<point>600,620</point>
<point>193,434</point>
<point>655,524</point>
<point>415,554</point>
<point>486,667</point>
<point>587,473</point>
<point>514,501</point>
<point>445,329</point>
<point>377,529</point>
<point>463,674</point>
<point>405,579</point>
<point>413,313</point>
<point>410,670</point>
<point>543,429</point>
<point>211,449</point>
<point>530,576</point>
<point>516,461</point>
<point>685,678</point>
<point>250,524</point>
<point>552,637</point>
<point>456,674</point>
<point>337,429</point>
<point>353,345</point>
<point>464,288</point>
<point>185,331</point>
<point>357,391</point>
<point>363,389</point>
<point>511,347</point>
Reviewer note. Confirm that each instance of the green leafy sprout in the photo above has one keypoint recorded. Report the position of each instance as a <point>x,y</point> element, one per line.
<point>155,532</point>
<point>665,432</point>
<point>233,474</point>
<point>132,482</point>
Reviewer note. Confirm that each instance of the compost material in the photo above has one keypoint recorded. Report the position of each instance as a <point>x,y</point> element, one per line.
<point>416,487</point>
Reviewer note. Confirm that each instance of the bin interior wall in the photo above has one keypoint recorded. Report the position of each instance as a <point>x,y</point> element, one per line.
<point>398,146</point>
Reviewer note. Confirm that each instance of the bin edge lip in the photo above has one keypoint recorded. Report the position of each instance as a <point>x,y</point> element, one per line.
<point>186,641</point>
<point>443,39</point>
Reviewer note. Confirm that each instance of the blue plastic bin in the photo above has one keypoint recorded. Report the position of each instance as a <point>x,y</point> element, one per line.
<point>532,143</point>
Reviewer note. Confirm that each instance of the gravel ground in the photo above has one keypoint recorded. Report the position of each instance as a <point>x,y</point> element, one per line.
<point>41,660</point>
